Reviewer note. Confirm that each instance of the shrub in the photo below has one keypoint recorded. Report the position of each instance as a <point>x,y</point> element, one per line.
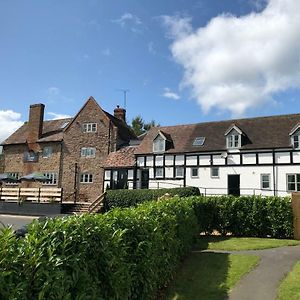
<point>124,254</point>
<point>254,216</point>
<point>127,198</point>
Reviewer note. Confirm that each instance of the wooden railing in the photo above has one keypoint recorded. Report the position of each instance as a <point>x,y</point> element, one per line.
<point>14,194</point>
<point>96,205</point>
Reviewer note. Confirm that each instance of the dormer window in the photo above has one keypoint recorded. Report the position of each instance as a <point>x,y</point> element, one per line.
<point>234,137</point>
<point>295,137</point>
<point>234,141</point>
<point>295,141</point>
<point>159,144</point>
<point>162,142</point>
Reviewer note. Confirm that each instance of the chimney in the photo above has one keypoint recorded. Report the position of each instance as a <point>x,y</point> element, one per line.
<point>35,123</point>
<point>120,113</point>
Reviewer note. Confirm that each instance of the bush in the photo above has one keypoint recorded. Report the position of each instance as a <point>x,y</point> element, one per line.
<point>124,254</point>
<point>254,216</point>
<point>127,198</point>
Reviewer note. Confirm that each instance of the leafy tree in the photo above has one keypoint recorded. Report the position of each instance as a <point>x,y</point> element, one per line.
<point>139,126</point>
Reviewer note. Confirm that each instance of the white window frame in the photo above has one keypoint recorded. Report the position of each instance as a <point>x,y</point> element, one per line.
<point>262,181</point>
<point>156,172</point>
<point>179,174</point>
<point>53,178</point>
<point>89,127</point>
<point>194,176</point>
<point>211,172</point>
<point>295,182</point>
<point>47,152</point>
<point>159,144</point>
<point>234,141</point>
<point>296,142</point>
<point>86,178</point>
<point>88,152</point>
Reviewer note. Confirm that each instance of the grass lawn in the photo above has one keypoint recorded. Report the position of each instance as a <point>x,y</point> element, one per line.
<point>232,243</point>
<point>290,288</point>
<point>209,276</point>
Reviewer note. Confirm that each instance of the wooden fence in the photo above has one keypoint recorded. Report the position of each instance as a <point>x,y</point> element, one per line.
<point>31,194</point>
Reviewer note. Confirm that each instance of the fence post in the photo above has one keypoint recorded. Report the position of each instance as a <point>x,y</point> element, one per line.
<point>39,195</point>
<point>296,214</point>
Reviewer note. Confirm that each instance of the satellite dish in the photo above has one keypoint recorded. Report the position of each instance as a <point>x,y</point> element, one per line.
<point>224,154</point>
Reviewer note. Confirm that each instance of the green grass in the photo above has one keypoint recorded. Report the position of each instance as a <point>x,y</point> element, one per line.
<point>289,289</point>
<point>232,243</point>
<point>209,276</point>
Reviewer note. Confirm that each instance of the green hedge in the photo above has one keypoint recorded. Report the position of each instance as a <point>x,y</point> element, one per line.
<point>124,254</point>
<point>127,198</point>
<point>245,216</point>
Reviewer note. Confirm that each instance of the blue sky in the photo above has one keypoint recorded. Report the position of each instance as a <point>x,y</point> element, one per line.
<point>184,61</point>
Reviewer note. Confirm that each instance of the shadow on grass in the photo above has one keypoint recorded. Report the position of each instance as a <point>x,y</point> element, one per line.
<point>203,241</point>
<point>202,276</point>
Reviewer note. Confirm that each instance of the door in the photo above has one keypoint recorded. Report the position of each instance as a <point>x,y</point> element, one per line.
<point>234,185</point>
<point>122,179</point>
<point>145,179</point>
<point>119,179</point>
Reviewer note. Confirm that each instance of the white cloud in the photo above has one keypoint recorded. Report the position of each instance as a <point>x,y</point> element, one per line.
<point>171,95</point>
<point>130,20</point>
<point>9,122</point>
<point>56,116</point>
<point>54,94</point>
<point>151,48</point>
<point>238,63</point>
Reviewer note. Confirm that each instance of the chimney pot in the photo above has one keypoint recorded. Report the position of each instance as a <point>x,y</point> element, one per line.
<point>120,113</point>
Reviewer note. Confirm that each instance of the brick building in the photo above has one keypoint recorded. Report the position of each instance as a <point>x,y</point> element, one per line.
<point>70,152</point>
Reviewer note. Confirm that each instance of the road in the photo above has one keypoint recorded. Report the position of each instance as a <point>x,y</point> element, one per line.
<point>16,221</point>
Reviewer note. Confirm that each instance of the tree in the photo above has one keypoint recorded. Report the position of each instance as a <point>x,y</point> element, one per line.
<point>139,126</point>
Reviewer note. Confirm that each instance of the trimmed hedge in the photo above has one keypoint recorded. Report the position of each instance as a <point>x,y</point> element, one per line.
<point>253,216</point>
<point>127,198</point>
<point>124,254</point>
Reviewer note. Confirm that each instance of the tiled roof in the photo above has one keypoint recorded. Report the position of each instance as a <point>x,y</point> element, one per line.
<point>260,133</point>
<point>123,158</point>
<point>52,132</point>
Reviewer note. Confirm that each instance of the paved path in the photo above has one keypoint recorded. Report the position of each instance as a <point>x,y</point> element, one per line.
<point>262,282</point>
<point>16,221</point>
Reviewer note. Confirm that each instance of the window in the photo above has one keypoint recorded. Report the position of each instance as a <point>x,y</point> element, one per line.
<point>47,152</point>
<point>88,152</point>
<point>295,141</point>
<point>86,178</point>
<point>293,182</point>
<point>199,141</point>
<point>89,127</point>
<point>159,172</point>
<point>234,141</point>
<point>179,172</point>
<point>194,172</point>
<point>214,172</point>
<point>30,156</point>
<point>52,178</point>
<point>265,181</point>
<point>159,144</point>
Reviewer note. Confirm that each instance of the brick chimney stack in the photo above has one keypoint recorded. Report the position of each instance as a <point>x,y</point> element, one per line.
<point>120,113</point>
<point>35,123</point>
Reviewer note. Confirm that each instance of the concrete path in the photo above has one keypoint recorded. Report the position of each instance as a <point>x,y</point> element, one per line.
<point>16,221</point>
<point>262,282</point>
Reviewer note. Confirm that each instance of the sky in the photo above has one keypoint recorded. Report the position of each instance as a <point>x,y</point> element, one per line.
<point>182,61</point>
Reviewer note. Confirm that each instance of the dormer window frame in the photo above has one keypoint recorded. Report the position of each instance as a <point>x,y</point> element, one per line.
<point>162,140</point>
<point>233,139</point>
<point>295,137</point>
